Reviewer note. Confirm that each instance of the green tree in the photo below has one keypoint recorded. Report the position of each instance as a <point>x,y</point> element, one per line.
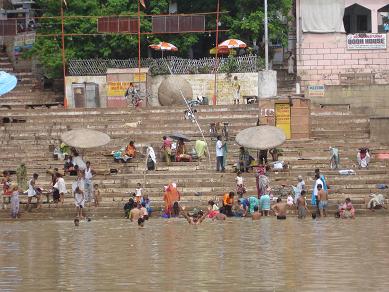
<point>243,18</point>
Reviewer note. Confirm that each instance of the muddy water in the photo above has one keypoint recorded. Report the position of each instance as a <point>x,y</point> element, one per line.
<point>170,255</point>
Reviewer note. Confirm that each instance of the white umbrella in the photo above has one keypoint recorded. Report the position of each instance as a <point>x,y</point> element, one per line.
<point>85,138</point>
<point>261,137</point>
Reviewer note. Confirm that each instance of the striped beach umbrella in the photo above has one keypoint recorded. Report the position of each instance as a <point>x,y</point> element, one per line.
<point>164,46</point>
<point>232,44</point>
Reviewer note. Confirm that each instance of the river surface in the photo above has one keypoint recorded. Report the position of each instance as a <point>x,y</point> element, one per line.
<point>171,255</point>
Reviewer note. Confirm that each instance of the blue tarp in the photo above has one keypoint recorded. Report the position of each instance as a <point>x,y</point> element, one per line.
<point>7,82</point>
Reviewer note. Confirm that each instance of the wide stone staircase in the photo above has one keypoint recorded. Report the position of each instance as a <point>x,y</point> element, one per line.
<point>32,138</point>
<point>29,91</point>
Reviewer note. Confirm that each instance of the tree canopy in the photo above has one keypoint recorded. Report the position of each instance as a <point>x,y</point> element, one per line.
<point>243,19</point>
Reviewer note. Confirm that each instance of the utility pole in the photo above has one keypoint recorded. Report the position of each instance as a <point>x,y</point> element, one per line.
<point>266,40</point>
<point>63,54</point>
<point>214,99</point>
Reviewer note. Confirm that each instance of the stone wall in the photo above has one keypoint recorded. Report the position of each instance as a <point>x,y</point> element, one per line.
<point>367,99</point>
<point>322,57</point>
<point>100,80</point>
<point>202,84</point>
<point>379,130</point>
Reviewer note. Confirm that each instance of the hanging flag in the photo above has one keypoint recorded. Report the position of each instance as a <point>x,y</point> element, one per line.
<point>142,2</point>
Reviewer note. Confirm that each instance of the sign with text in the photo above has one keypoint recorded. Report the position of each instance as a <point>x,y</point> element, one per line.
<point>316,90</point>
<point>366,41</point>
<point>117,88</point>
<point>283,118</point>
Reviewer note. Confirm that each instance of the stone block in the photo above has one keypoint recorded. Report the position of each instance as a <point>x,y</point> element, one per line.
<point>357,56</point>
<point>365,61</point>
<point>380,61</point>
<point>337,51</point>
<point>323,51</point>
<point>344,56</point>
<point>310,51</point>
<point>317,57</point>
<point>310,63</point>
<point>337,62</point>
<point>324,62</point>
<point>351,62</point>
<point>330,56</point>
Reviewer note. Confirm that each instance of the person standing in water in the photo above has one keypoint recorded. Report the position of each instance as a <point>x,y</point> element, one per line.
<point>279,209</point>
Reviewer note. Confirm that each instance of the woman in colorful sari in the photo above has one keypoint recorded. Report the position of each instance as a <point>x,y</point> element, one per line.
<point>171,196</point>
<point>14,201</point>
<point>262,181</point>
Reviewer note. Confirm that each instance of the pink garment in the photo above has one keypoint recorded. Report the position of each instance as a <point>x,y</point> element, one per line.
<point>212,214</point>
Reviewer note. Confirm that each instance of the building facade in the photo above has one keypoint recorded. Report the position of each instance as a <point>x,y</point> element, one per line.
<point>342,42</point>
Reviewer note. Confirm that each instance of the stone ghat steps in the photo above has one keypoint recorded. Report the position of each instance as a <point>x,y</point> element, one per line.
<point>129,111</point>
<point>40,166</point>
<point>26,93</point>
<point>62,125</point>
<point>303,147</point>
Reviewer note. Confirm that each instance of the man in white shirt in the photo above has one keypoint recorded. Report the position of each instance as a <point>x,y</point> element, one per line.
<point>318,181</point>
<point>219,155</point>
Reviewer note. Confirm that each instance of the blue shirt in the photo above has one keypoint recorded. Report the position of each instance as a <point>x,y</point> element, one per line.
<point>264,202</point>
<point>244,202</point>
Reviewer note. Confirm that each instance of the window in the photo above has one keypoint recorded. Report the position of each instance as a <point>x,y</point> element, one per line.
<point>357,19</point>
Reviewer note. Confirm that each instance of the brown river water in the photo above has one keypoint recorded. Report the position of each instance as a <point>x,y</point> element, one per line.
<point>171,255</point>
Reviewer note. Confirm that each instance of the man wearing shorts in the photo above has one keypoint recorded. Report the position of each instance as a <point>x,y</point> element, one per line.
<point>323,200</point>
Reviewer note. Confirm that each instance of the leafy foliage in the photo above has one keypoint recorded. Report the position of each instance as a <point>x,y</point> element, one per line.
<point>243,18</point>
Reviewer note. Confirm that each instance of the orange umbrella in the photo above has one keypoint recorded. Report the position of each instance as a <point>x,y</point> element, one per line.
<point>164,46</point>
<point>232,44</point>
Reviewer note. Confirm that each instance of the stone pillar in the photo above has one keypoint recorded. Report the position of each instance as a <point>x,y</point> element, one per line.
<point>267,83</point>
<point>374,21</point>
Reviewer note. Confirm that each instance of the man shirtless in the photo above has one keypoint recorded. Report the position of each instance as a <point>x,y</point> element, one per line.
<point>136,213</point>
<point>280,209</point>
<point>323,200</point>
<point>256,215</point>
<point>195,219</point>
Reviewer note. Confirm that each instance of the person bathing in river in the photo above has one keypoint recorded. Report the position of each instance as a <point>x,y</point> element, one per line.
<point>256,215</point>
<point>346,210</point>
<point>323,200</point>
<point>279,209</point>
<point>302,206</point>
<point>197,217</point>
<point>248,205</point>
<point>213,212</point>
